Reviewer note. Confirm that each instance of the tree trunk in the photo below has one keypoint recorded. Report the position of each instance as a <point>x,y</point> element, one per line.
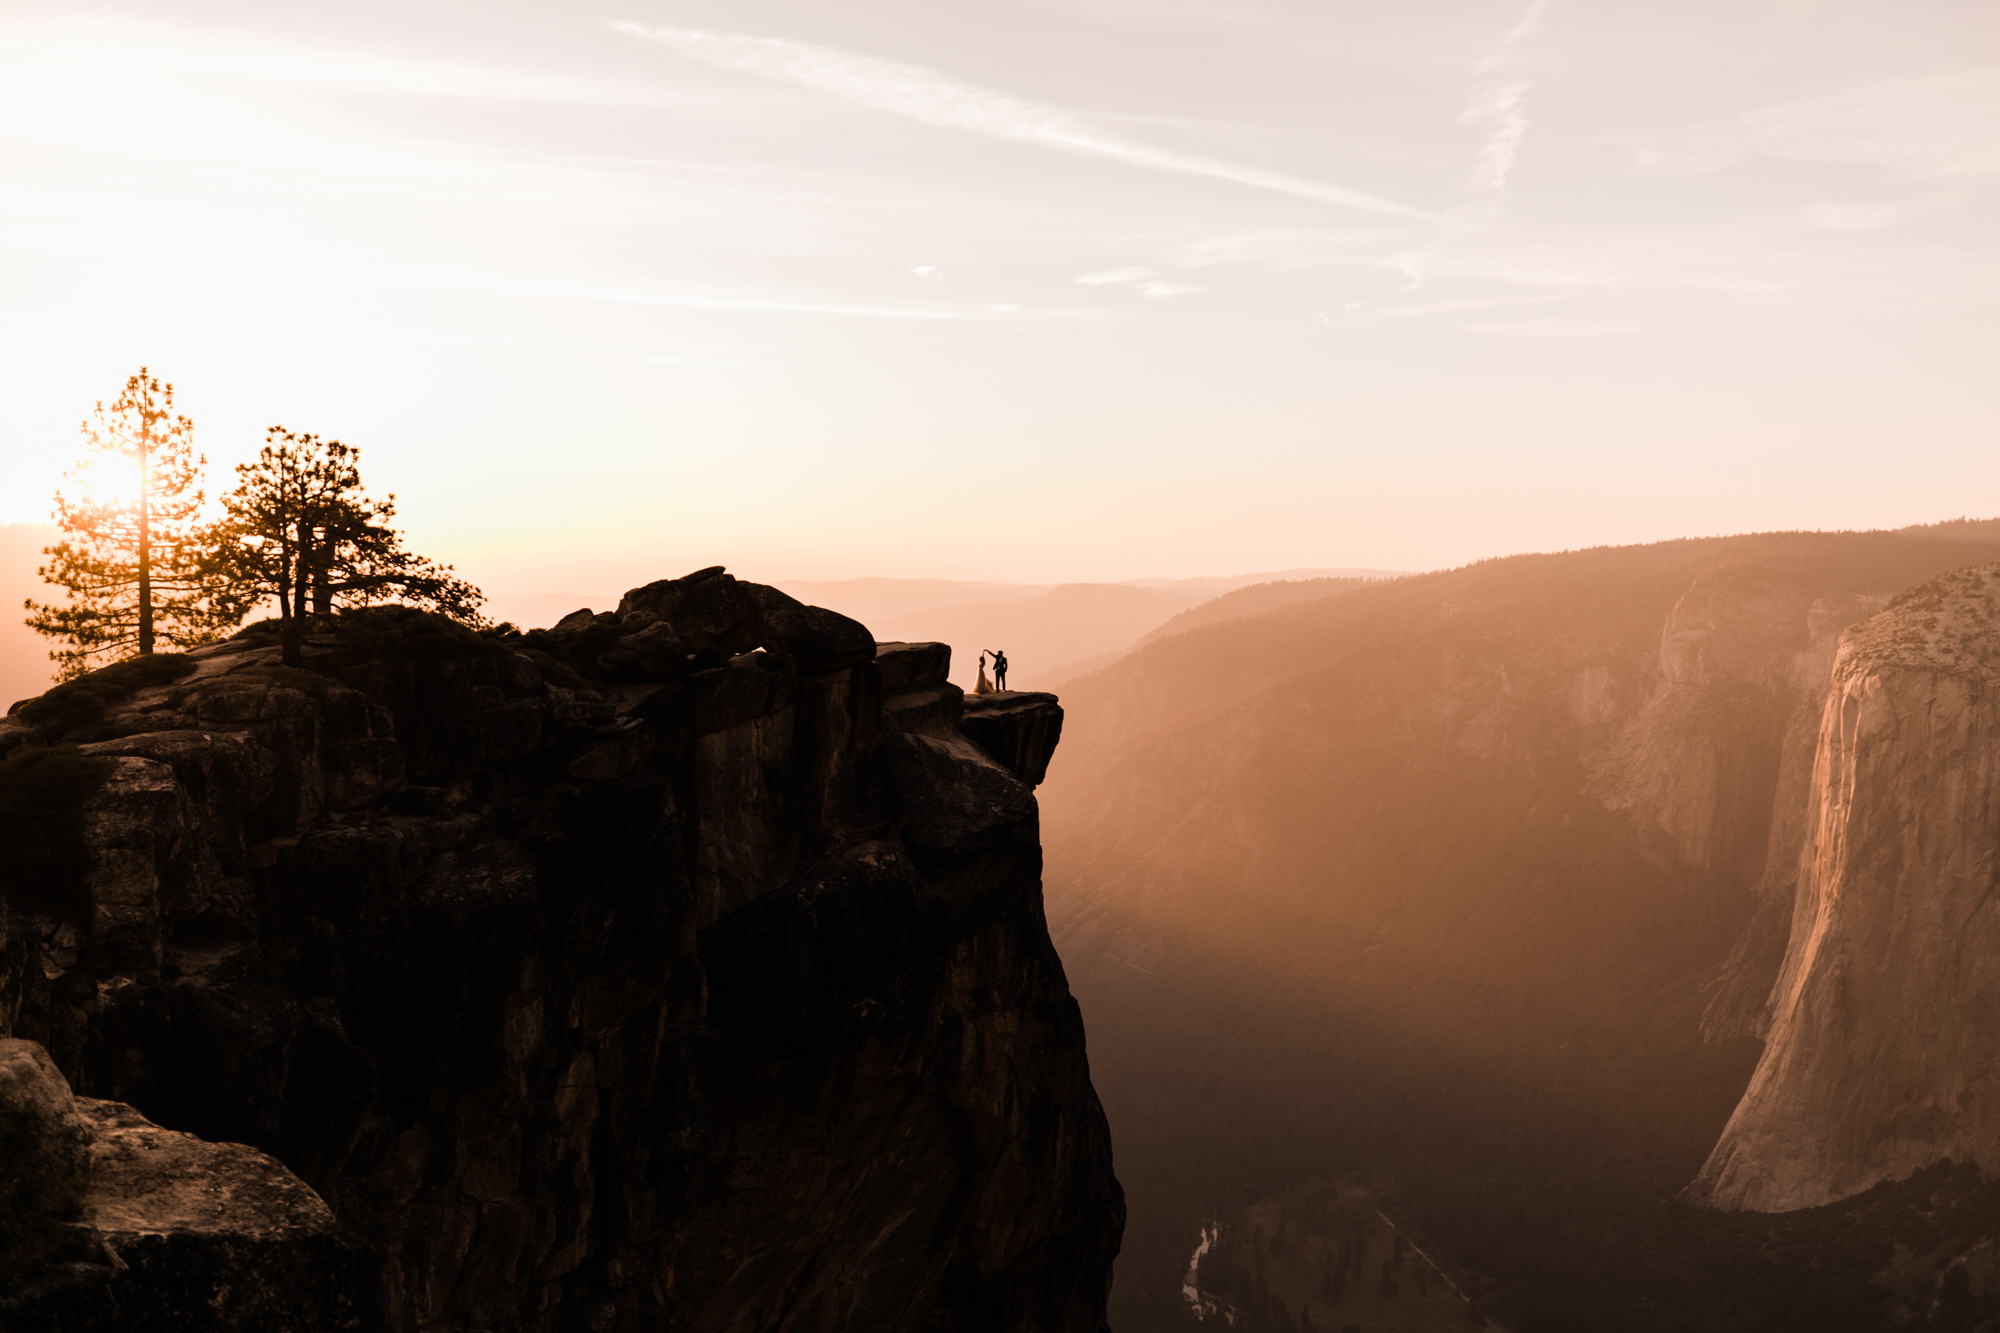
<point>290,563</point>
<point>302,569</point>
<point>145,552</point>
<point>322,574</point>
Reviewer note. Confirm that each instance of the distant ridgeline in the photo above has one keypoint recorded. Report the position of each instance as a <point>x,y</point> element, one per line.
<point>681,967</point>
<point>1573,900</point>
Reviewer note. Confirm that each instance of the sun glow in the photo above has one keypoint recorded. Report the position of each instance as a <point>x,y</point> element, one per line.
<point>107,478</point>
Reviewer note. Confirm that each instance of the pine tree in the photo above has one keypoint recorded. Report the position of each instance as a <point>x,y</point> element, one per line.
<point>304,533</point>
<point>136,558</point>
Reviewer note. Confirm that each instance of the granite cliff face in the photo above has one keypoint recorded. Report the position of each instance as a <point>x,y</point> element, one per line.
<point>683,967</point>
<point>1884,1037</point>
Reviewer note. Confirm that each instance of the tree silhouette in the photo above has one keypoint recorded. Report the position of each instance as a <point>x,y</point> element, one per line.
<point>135,562</point>
<point>302,531</point>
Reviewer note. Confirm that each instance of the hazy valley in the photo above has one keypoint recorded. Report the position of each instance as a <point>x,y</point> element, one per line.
<point>1476,883</point>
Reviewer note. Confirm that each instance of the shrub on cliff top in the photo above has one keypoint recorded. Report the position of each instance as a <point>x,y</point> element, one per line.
<point>81,701</point>
<point>397,633</point>
<point>42,792</point>
<point>577,646</point>
<point>1928,596</point>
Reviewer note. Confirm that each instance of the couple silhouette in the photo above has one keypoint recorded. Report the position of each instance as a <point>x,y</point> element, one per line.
<point>999,682</point>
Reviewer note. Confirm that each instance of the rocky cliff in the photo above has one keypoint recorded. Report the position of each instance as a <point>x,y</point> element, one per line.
<point>683,967</point>
<point>1883,1042</point>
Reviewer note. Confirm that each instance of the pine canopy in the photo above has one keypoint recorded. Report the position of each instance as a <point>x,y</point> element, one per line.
<point>135,556</point>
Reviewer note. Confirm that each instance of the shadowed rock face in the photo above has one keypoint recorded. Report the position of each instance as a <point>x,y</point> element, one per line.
<point>135,1226</point>
<point>1883,1042</point>
<point>645,974</point>
<point>1018,728</point>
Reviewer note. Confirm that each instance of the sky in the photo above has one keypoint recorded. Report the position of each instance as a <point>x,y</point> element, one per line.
<point>1035,290</point>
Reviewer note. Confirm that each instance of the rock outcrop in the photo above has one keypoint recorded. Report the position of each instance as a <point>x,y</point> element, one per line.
<point>115,1223</point>
<point>1019,728</point>
<point>1883,1043</point>
<point>682,967</point>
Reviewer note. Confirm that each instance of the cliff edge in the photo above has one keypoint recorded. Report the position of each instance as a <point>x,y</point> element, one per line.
<point>682,967</point>
<point>1882,1044</point>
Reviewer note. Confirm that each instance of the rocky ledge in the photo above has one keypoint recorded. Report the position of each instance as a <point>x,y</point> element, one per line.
<point>682,967</point>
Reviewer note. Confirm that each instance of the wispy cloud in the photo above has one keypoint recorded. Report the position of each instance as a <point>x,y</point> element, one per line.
<point>1557,326</point>
<point>1937,125</point>
<point>1284,250</point>
<point>1496,109</point>
<point>1230,12</point>
<point>250,57</point>
<point>1145,281</point>
<point>103,226</point>
<point>1832,215</point>
<point>924,95</point>
<point>1110,275</point>
<point>1530,19</point>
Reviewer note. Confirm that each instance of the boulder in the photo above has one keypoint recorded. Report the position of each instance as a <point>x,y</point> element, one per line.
<point>116,1223</point>
<point>819,639</point>
<point>654,652</point>
<point>933,712</point>
<point>44,1145</point>
<point>912,666</point>
<point>709,609</point>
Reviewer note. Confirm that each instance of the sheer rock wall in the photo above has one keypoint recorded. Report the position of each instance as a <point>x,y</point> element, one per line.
<point>1883,1041</point>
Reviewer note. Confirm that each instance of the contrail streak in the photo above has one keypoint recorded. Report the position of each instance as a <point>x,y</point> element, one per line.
<point>925,95</point>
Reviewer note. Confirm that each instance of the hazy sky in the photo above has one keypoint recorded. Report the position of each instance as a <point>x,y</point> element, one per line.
<point>1061,289</point>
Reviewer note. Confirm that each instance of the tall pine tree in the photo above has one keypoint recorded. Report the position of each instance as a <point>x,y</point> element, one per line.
<point>134,560</point>
<point>303,532</point>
